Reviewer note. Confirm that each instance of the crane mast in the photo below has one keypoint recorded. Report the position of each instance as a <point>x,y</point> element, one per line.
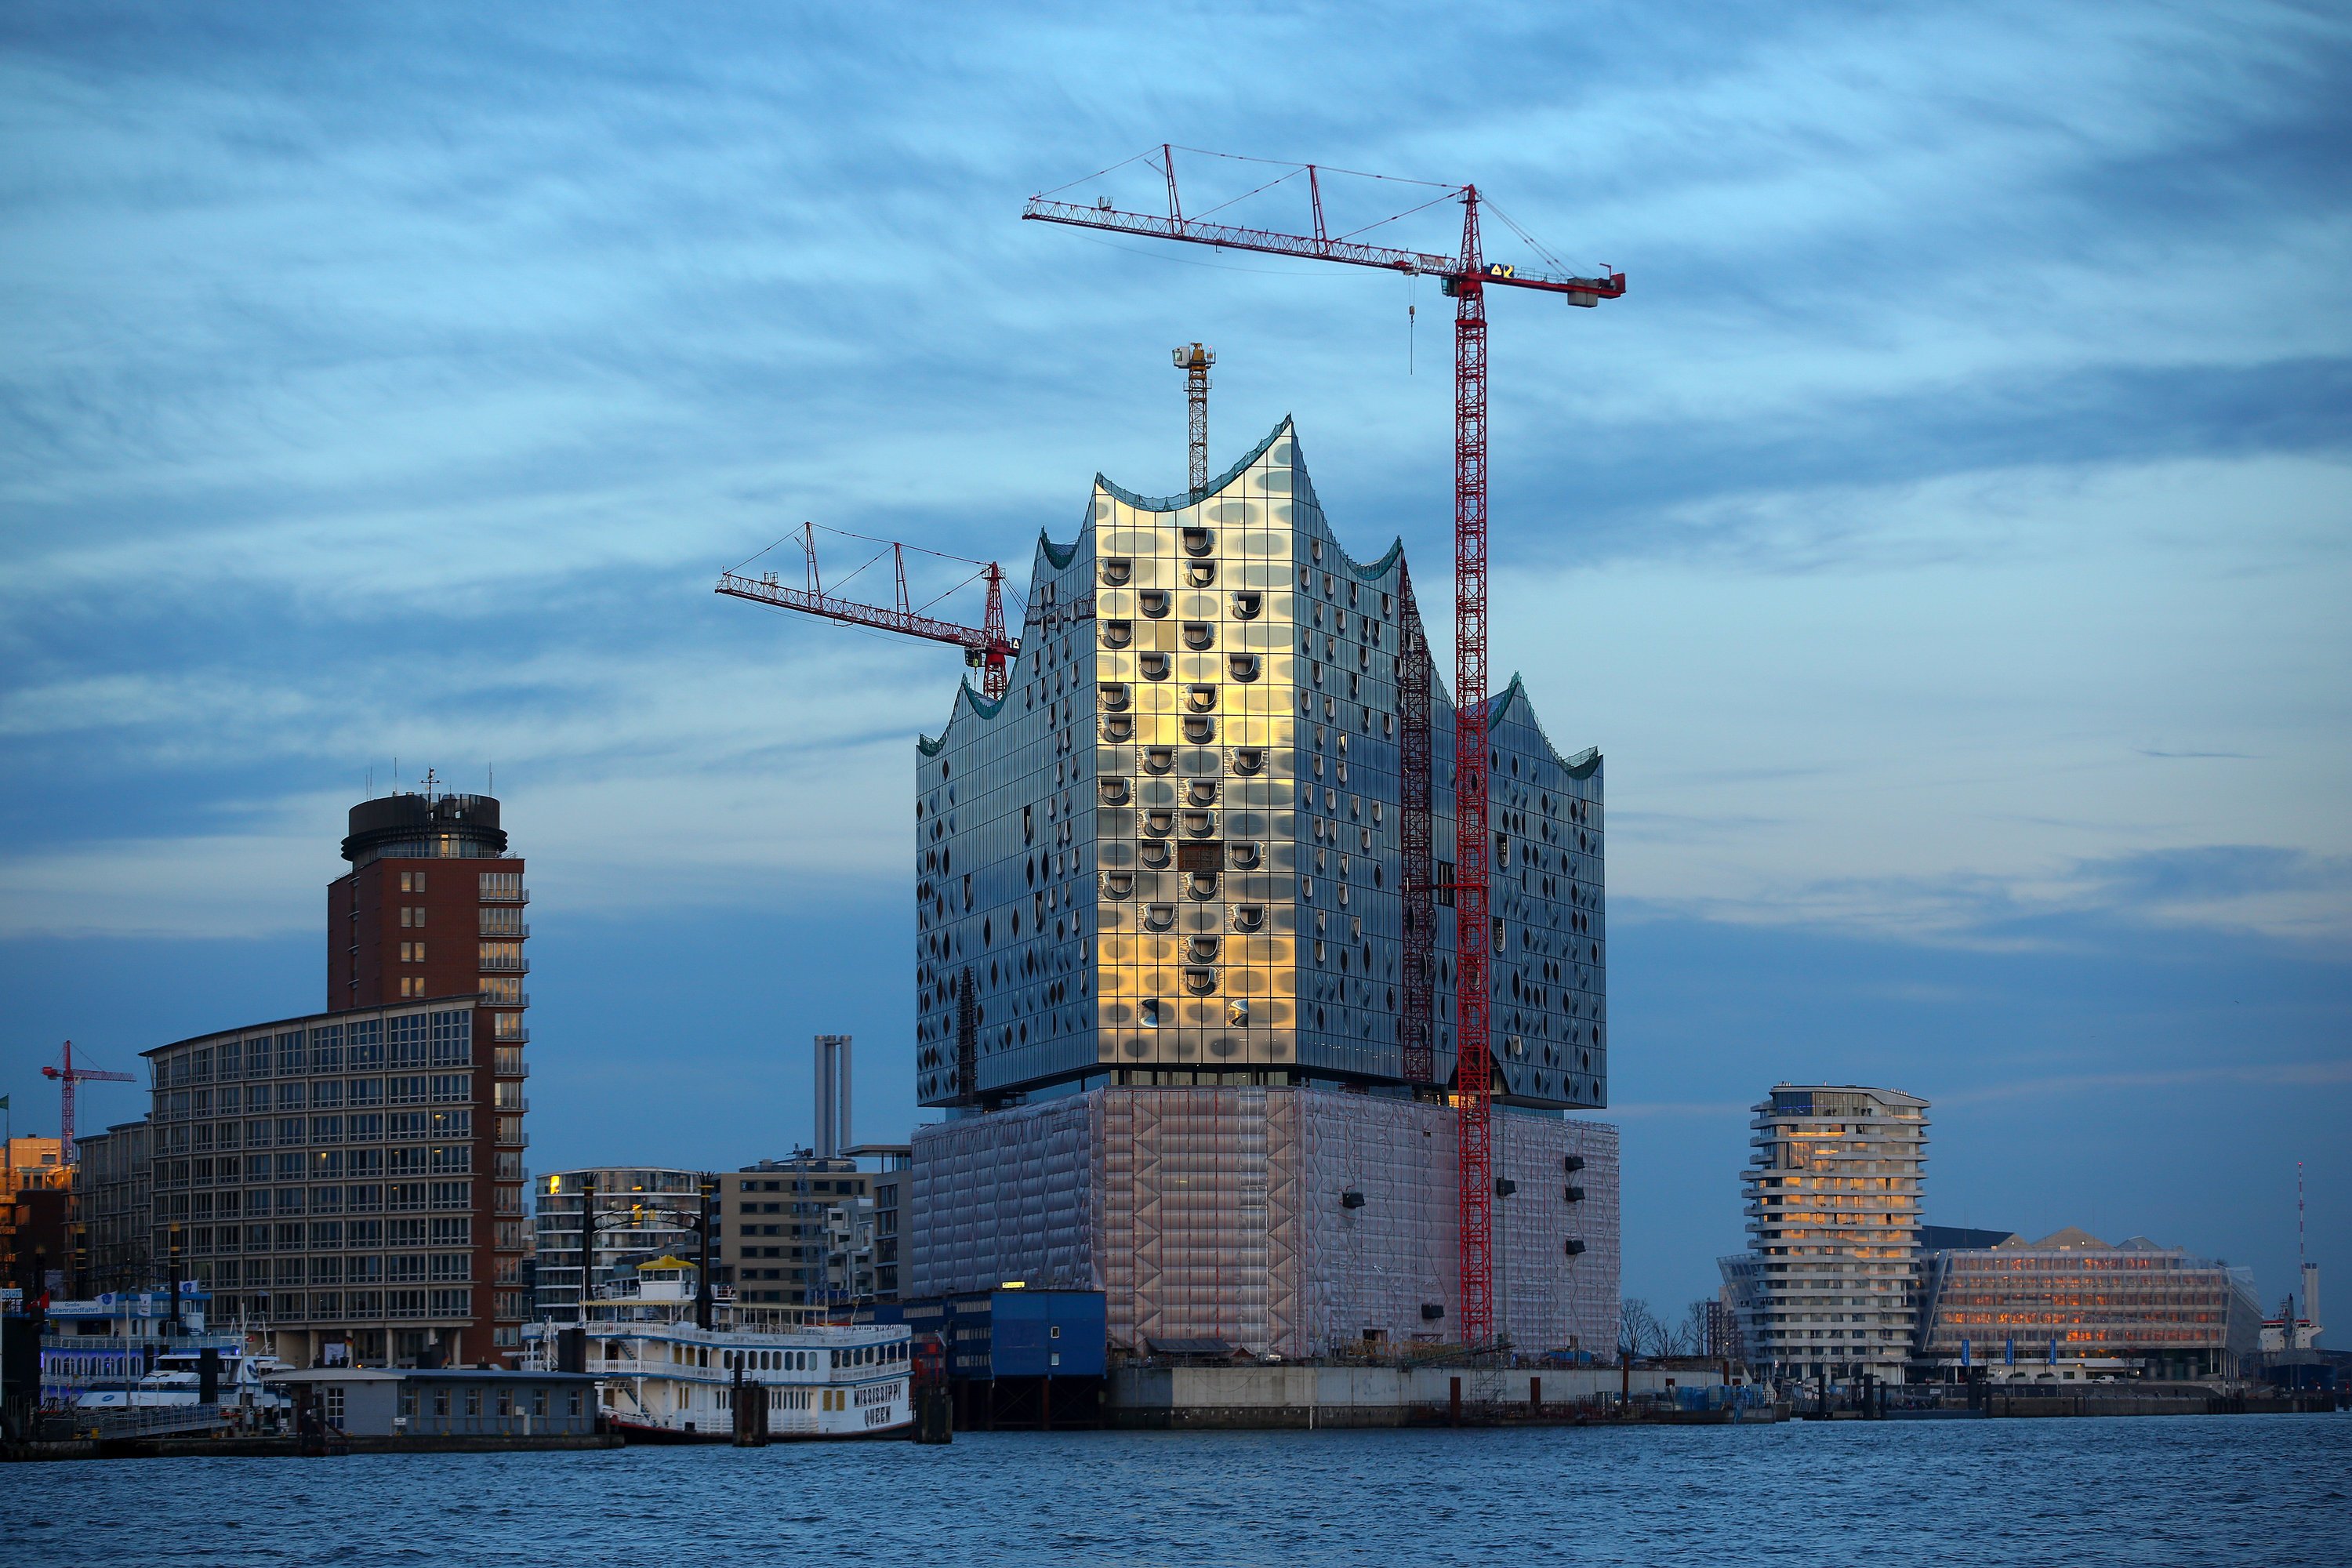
<point>1465,277</point>
<point>1194,360</point>
<point>68,1076</point>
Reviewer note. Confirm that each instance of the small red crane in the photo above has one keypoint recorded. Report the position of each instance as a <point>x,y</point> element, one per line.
<point>1465,278</point>
<point>68,1075</point>
<point>986,648</point>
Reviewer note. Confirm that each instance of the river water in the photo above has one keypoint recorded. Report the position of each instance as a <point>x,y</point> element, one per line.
<point>2171,1490</point>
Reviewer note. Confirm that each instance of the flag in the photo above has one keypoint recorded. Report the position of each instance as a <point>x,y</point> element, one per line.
<point>4,1103</point>
<point>1966,1345</point>
<point>2009,1349</point>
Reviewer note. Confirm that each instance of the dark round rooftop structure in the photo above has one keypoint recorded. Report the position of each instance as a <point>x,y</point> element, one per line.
<point>419,827</point>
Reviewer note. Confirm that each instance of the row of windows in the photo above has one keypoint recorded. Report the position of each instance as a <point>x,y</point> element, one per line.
<point>341,1268</point>
<point>298,1165</point>
<point>503,1402</point>
<point>401,1040</point>
<point>448,1230</point>
<point>367,1197</point>
<point>339,1306</point>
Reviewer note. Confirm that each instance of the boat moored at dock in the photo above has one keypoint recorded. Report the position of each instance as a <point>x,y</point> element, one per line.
<point>664,1376</point>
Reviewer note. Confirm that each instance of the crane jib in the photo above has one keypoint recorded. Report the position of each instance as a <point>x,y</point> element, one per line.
<point>1226,236</point>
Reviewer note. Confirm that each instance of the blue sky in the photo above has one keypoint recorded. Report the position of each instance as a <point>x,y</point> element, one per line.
<point>1940,539</point>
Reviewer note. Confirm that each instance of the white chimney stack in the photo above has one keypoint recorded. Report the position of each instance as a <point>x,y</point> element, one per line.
<point>832,1134</point>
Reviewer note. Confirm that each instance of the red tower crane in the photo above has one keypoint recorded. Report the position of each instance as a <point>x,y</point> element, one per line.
<point>1465,278</point>
<point>68,1075</point>
<point>986,648</point>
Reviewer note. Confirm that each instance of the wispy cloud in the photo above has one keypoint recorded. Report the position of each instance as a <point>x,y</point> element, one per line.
<point>2264,1075</point>
<point>395,389</point>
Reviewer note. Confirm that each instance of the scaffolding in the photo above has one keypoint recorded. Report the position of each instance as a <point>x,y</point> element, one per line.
<point>1279,1221</point>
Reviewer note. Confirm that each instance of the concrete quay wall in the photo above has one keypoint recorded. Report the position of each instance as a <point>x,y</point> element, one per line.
<point>1277,1396</point>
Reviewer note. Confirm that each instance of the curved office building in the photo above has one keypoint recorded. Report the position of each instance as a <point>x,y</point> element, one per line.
<point>1171,859</point>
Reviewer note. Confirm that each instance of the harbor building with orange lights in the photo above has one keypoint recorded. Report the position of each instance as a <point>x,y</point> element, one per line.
<point>1833,1187</point>
<point>2025,1307</point>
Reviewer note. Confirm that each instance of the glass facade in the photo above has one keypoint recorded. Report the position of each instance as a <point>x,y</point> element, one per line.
<point>2070,1297</point>
<point>1171,854</point>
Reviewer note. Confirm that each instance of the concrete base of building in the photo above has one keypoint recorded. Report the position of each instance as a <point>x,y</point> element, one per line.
<point>1028,1403</point>
<point>1296,1222</point>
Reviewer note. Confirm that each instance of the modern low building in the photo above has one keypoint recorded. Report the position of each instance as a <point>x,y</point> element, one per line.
<point>351,1178</point>
<point>111,1210</point>
<point>331,1179</point>
<point>389,1402</point>
<point>2072,1298</point>
<point>1017,1356</point>
<point>890,1165</point>
<point>1833,1187</point>
<point>1185,888</point>
<point>36,1232</point>
<point>813,1230</point>
<point>608,1219</point>
<point>32,1161</point>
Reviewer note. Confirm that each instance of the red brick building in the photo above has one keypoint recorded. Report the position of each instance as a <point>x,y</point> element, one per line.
<point>434,907</point>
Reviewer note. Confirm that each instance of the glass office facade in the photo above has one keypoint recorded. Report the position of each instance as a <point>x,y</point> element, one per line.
<point>1171,854</point>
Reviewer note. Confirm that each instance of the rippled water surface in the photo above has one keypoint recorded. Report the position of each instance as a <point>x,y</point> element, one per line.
<point>2161,1490</point>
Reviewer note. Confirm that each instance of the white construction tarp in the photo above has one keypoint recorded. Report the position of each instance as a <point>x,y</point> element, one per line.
<point>1227,1213</point>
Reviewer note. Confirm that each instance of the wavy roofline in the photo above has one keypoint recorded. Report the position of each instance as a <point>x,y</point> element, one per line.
<point>1380,568</point>
<point>1216,485</point>
<point>965,696</point>
<point>1579,766</point>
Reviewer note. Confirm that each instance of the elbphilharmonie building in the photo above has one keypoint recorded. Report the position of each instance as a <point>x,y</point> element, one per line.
<point>1165,949</point>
